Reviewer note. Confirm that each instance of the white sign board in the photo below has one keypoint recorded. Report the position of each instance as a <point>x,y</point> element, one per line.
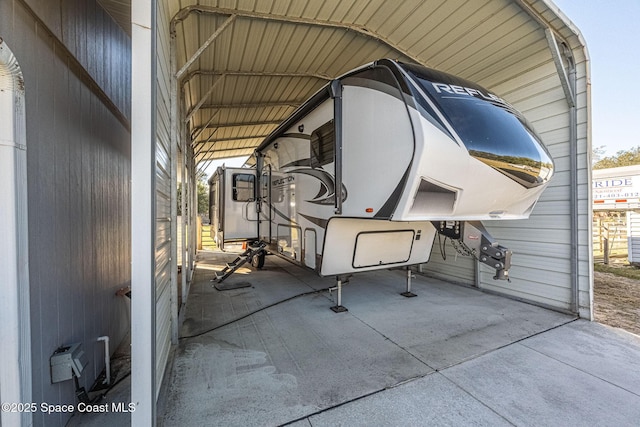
<point>616,188</point>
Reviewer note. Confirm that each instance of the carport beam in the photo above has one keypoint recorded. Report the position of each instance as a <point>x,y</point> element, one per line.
<point>568,82</point>
<point>175,125</point>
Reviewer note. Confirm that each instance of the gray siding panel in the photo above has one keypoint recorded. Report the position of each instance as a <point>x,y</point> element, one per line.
<point>78,166</point>
<point>95,40</point>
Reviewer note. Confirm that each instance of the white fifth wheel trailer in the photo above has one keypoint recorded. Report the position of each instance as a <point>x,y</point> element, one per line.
<point>366,172</point>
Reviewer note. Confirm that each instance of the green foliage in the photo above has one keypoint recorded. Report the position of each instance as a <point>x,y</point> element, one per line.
<point>621,158</point>
<point>203,197</point>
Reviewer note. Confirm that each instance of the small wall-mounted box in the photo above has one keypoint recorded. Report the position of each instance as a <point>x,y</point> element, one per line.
<point>67,361</point>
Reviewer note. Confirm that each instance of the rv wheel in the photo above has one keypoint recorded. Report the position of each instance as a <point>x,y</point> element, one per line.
<point>258,260</point>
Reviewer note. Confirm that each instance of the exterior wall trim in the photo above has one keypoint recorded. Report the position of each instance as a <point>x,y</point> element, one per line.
<point>15,318</point>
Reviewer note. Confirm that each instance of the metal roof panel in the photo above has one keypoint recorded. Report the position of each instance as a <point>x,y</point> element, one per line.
<point>277,53</point>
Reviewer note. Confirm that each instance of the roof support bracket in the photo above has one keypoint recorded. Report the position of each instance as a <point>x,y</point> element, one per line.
<point>204,98</point>
<point>197,131</point>
<point>204,47</point>
<point>562,73</point>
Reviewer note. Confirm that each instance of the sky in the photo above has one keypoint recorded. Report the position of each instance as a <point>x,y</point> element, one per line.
<point>611,29</point>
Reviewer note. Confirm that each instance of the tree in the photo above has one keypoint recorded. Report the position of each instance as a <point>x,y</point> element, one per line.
<point>597,153</point>
<point>203,197</point>
<point>621,158</point>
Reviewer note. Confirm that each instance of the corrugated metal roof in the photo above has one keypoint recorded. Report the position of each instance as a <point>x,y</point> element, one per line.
<point>271,55</point>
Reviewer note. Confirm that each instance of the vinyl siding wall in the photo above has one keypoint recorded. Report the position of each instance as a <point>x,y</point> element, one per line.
<point>633,236</point>
<point>78,169</point>
<point>96,42</point>
<point>446,264</point>
<point>163,196</point>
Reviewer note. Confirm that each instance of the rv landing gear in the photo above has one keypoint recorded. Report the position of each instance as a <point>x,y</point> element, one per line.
<point>408,292</point>
<point>339,308</point>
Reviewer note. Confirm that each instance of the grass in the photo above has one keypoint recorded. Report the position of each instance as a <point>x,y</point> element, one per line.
<point>627,271</point>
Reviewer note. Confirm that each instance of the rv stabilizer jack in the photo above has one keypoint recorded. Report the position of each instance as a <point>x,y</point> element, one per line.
<point>477,241</point>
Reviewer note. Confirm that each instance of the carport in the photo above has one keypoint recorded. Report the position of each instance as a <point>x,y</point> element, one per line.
<point>93,150</point>
<point>211,79</point>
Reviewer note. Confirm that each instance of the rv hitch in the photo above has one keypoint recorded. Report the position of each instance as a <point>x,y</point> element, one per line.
<point>476,241</point>
<point>488,251</point>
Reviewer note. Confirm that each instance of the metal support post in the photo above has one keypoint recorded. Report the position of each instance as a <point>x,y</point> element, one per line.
<point>408,292</point>
<point>338,308</point>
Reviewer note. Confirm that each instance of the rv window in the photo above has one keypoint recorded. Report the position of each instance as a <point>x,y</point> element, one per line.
<point>491,129</point>
<point>243,187</point>
<point>322,145</point>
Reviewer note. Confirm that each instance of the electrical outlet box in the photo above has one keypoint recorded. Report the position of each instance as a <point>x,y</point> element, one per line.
<point>67,361</point>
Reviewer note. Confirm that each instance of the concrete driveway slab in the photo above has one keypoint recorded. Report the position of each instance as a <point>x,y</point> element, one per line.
<point>429,401</point>
<point>445,324</point>
<point>529,388</point>
<point>607,353</point>
<point>282,364</point>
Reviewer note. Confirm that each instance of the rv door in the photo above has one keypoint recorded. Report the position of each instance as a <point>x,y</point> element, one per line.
<point>240,213</point>
<point>233,210</point>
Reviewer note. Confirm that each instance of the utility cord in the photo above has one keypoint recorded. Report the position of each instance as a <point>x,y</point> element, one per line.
<point>199,334</point>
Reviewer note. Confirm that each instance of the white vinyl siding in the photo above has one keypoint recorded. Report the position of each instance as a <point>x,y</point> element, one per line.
<point>451,266</point>
<point>15,358</point>
<point>633,236</point>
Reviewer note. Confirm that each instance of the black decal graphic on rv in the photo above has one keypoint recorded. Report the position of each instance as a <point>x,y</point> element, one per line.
<point>320,222</point>
<point>328,186</point>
